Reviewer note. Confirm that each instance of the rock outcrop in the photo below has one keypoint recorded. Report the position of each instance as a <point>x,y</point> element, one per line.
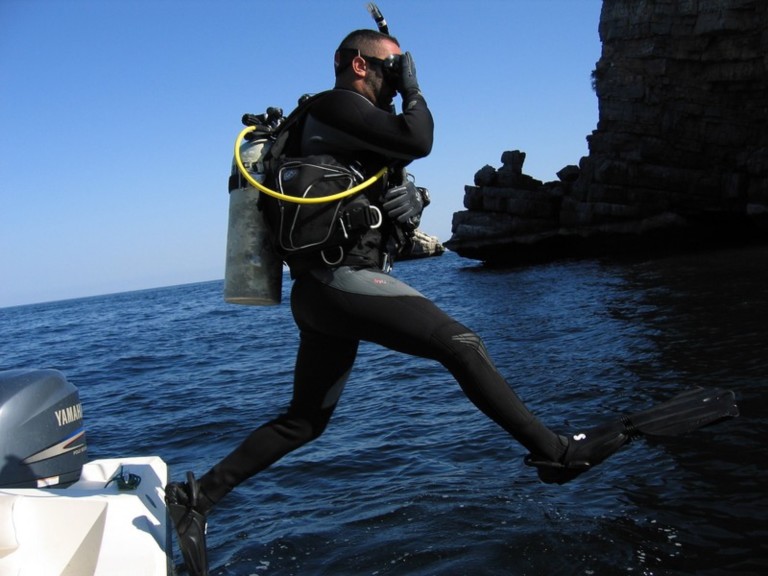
<point>680,153</point>
<point>422,246</point>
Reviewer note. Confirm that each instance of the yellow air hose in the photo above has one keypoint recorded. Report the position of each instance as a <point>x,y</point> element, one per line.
<point>297,200</point>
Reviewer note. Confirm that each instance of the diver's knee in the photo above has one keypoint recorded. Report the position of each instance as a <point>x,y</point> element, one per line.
<point>460,345</point>
<point>457,338</point>
<point>300,427</point>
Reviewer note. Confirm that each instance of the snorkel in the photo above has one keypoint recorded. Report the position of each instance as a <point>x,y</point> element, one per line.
<point>378,17</point>
<point>390,67</point>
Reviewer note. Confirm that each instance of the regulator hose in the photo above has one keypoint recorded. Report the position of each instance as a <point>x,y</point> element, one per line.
<point>296,199</point>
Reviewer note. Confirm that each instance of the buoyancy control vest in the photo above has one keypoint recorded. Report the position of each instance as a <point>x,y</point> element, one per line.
<point>317,205</point>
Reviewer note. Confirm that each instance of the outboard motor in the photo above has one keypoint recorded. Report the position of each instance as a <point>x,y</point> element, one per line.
<point>42,438</point>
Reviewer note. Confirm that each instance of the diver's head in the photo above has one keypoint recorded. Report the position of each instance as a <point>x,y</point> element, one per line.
<point>368,62</point>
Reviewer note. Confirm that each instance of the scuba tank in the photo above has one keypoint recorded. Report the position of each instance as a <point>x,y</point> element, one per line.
<point>254,271</point>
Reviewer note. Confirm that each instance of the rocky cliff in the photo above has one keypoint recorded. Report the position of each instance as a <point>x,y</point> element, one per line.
<point>679,156</point>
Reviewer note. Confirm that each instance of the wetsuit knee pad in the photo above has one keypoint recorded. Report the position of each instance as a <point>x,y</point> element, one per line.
<point>460,344</point>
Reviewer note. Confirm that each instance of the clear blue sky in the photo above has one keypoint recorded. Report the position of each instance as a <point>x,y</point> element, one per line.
<point>118,118</point>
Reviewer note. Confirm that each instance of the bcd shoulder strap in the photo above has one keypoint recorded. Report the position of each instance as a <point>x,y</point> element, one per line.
<point>286,135</point>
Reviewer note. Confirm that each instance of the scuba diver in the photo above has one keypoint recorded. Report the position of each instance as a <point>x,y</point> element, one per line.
<point>344,294</point>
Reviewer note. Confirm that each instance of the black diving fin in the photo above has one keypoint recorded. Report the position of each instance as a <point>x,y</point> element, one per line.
<point>686,412</point>
<point>190,524</point>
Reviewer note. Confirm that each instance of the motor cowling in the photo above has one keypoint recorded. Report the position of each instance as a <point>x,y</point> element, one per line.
<point>42,437</point>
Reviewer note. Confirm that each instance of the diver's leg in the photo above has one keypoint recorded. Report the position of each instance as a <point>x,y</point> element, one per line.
<point>322,367</point>
<point>376,307</point>
<point>463,353</point>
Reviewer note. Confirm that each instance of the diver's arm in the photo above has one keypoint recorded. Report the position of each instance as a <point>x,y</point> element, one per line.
<point>350,121</point>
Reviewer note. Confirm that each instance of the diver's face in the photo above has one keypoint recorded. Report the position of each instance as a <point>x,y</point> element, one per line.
<point>380,91</point>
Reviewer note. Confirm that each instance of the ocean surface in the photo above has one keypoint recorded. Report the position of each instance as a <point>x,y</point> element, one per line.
<point>409,478</point>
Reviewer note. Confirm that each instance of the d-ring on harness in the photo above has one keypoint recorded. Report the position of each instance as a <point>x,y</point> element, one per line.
<point>343,228</point>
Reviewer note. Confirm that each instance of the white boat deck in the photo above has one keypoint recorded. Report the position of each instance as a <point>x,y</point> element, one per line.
<point>93,527</point>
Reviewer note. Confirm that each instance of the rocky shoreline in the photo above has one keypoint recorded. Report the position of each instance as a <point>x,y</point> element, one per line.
<point>679,157</point>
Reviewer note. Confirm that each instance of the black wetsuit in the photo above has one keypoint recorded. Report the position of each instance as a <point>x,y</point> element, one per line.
<point>337,307</point>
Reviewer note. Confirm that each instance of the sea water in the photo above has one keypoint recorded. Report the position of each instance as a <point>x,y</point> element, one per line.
<point>409,478</point>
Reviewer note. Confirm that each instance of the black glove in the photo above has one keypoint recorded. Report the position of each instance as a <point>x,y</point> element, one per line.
<point>404,204</point>
<point>408,85</point>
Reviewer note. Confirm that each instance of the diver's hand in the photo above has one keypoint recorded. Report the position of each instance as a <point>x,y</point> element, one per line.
<point>404,204</point>
<point>408,85</point>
